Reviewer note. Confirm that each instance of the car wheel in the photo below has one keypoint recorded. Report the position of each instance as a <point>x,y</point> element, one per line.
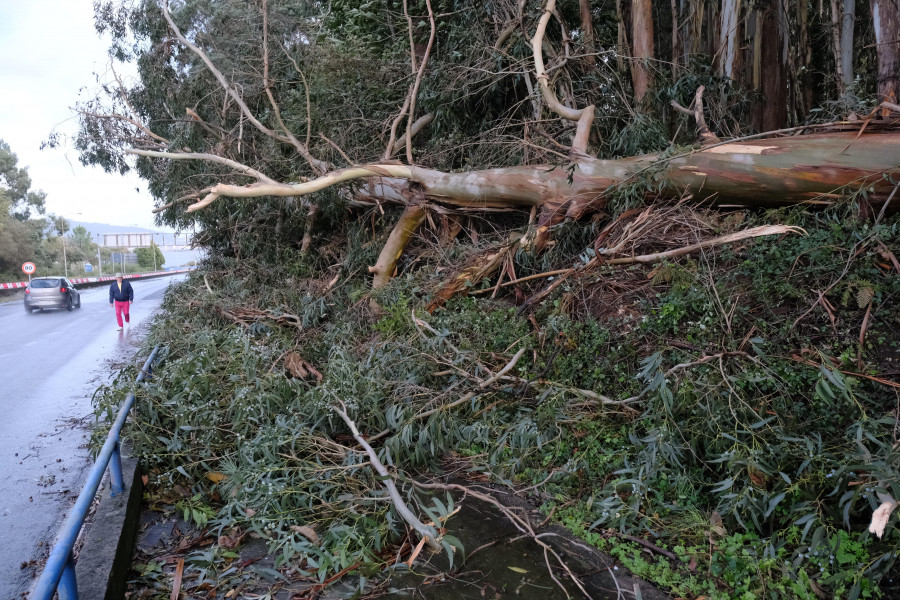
<point>69,305</point>
<point>29,310</point>
<point>79,301</point>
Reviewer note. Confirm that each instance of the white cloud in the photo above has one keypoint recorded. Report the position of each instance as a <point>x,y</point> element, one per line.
<point>49,51</point>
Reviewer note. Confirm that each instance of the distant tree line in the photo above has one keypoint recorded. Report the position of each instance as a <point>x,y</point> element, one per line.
<point>28,234</point>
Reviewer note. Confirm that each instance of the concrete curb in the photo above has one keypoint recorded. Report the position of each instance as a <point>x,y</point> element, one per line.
<point>105,557</point>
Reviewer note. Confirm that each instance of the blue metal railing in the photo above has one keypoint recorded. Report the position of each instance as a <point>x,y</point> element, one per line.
<point>59,572</point>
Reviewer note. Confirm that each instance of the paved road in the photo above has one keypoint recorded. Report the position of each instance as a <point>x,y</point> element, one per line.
<point>50,364</point>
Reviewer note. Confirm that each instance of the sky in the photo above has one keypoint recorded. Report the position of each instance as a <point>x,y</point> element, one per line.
<point>49,53</point>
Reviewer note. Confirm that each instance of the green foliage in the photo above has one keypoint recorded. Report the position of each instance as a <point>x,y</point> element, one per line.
<point>675,402</point>
<point>195,510</point>
<point>16,196</point>
<point>728,437</point>
<point>150,258</point>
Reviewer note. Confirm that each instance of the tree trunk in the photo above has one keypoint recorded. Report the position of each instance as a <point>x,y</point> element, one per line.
<point>836,46</point>
<point>886,22</point>
<point>729,37</point>
<point>587,28</point>
<point>762,172</point>
<point>805,52</point>
<point>676,39</point>
<point>848,20</point>
<point>771,112</point>
<point>642,42</point>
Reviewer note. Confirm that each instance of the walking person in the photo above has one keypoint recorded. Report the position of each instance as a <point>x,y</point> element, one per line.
<point>121,295</point>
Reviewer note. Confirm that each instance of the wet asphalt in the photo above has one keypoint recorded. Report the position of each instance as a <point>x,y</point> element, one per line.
<point>50,364</point>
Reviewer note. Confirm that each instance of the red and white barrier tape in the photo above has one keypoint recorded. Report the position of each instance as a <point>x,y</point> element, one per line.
<point>23,284</point>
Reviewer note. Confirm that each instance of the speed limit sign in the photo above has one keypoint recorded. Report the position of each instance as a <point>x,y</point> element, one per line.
<point>28,268</point>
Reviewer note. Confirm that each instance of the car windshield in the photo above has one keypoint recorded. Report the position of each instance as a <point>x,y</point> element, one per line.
<point>45,283</point>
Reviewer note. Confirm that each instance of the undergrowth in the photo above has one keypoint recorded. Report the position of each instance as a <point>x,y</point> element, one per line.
<point>723,407</point>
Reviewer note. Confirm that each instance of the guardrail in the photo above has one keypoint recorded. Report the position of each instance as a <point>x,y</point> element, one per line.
<point>24,284</point>
<point>59,572</point>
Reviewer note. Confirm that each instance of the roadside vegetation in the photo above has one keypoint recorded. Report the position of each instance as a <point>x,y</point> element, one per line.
<point>735,408</point>
<point>504,240</point>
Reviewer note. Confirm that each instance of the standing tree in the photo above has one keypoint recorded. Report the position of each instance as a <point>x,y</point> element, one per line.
<point>150,258</point>
<point>15,187</point>
<point>21,235</point>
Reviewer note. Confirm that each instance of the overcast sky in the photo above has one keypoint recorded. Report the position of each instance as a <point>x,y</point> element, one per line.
<point>49,52</point>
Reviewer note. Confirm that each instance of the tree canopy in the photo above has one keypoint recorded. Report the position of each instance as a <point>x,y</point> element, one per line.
<point>282,92</point>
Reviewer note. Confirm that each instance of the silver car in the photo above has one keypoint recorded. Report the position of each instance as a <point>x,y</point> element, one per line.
<point>51,292</point>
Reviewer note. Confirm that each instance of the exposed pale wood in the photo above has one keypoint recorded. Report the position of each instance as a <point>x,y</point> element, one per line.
<point>409,222</point>
<point>584,117</point>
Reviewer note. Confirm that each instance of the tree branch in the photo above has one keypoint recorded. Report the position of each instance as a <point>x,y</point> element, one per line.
<point>585,116</point>
<point>415,89</point>
<point>137,121</point>
<point>317,165</point>
<point>706,136</point>
<point>242,169</point>
<point>409,222</point>
<point>428,533</point>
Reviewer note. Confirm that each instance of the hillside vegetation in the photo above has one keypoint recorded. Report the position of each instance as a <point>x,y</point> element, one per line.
<point>635,260</point>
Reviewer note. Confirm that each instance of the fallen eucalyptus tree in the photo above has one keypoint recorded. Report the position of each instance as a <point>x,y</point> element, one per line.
<point>775,169</point>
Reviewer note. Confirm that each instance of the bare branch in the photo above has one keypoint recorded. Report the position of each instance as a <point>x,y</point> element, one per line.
<point>114,116</point>
<point>336,147</point>
<point>417,126</point>
<point>585,116</point>
<point>428,533</point>
<point>706,136</point>
<point>242,169</point>
<point>415,89</point>
<point>317,165</point>
<point>136,122</point>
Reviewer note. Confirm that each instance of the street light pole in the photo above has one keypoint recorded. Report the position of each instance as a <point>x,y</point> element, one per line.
<point>63,234</point>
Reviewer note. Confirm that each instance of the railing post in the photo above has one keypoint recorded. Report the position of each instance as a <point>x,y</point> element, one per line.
<point>115,472</point>
<point>58,575</point>
<point>67,587</point>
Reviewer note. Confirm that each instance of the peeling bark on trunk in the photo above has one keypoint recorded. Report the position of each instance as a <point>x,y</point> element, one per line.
<point>729,37</point>
<point>886,22</point>
<point>642,41</point>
